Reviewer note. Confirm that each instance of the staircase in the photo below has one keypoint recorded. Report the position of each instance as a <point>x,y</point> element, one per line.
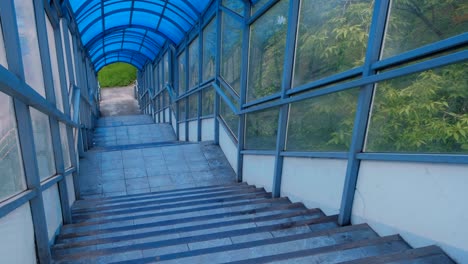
<point>196,213</point>
<point>234,223</point>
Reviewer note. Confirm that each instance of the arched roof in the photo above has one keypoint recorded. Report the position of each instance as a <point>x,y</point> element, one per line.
<point>133,31</point>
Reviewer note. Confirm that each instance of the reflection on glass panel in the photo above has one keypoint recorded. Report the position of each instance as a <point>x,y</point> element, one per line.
<point>54,64</point>
<point>231,119</point>
<point>43,144</point>
<point>323,123</point>
<point>235,5</point>
<point>422,112</point>
<point>231,53</point>
<point>72,49</point>
<point>413,24</point>
<point>258,5</point>
<point>29,45</point>
<point>208,96</point>
<point>332,38</point>
<point>266,52</point>
<point>166,68</point>
<point>261,129</point>
<point>194,60</point>
<point>65,147</point>
<point>182,79</point>
<point>12,178</point>
<point>3,58</point>
<point>182,109</point>
<point>209,50</point>
<point>193,105</point>
<point>155,77</point>
<point>161,76</point>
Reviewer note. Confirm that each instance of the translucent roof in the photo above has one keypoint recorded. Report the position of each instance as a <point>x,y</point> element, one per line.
<point>133,31</point>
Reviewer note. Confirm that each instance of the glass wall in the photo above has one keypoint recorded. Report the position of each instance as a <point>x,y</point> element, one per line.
<point>194,60</point>
<point>423,112</point>
<point>193,106</point>
<point>208,96</point>
<point>261,129</point>
<point>209,50</point>
<point>54,64</point>
<point>182,77</point>
<point>331,38</point>
<point>266,52</point>
<point>29,45</point>
<point>323,123</point>
<point>12,178</point>
<point>231,53</point>
<point>65,146</point>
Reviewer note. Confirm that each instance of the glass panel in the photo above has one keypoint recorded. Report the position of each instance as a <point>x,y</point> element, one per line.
<point>235,5</point>
<point>422,112</point>
<point>332,38</point>
<point>12,178</point>
<point>261,129</point>
<point>413,24</point>
<point>267,49</point>
<point>182,109</point>
<point>193,105</point>
<point>166,68</point>
<point>323,123</point>
<point>194,61</point>
<point>70,39</point>
<point>65,147</point>
<point>209,50</point>
<point>208,96</point>
<point>231,119</point>
<point>3,58</point>
<point>155,77</point>
<point>43,144</point>
<point>231,45</point>
<point>182,77</point>
<point>29,45</point>
<point>161,76</point>
<point>54,64</point>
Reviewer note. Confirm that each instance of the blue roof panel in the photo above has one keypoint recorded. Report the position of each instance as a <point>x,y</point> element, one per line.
<point>133,30</point>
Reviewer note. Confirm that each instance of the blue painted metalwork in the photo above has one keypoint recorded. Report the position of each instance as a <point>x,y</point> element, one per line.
<point>108,28</point>
<point>375,43</point>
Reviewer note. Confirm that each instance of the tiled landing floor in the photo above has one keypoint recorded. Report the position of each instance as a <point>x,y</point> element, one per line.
<point>144,170</point>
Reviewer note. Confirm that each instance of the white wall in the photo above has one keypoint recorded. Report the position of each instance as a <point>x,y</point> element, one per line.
<point>207,129</point>
<point>53,211</point>
<point>182,132</point>
<point>425,203</point>
<point>228,147</point>
<point>70,189</point>
<point>318,183</point>
<point>17,239</point>
<point>193,131</point>
<point>259,170</point>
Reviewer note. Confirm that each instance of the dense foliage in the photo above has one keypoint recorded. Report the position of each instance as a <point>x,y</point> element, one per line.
<point>117,74</point>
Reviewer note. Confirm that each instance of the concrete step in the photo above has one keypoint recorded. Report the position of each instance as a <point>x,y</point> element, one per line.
<point>424,255</point>
<point>247,195</point>
<point>235,223</point>
<point>153,200</point>
<point>238,234</point>
<point>161,194</point>
<point>192,217</point>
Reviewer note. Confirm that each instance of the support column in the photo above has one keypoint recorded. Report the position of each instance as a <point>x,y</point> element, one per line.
<point>375,43</point>
<point>284,109</point>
